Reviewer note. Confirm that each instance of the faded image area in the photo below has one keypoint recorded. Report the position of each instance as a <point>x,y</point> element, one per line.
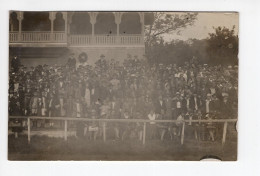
<point>123,85</point>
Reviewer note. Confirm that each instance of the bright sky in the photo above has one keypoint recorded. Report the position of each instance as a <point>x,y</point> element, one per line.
<point>204,25</point>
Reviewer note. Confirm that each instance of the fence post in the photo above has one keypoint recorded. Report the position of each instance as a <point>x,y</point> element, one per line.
<point>29,129</point>
<point>144,133</point>
<point>224,133</point>
<point>182,133</point>
<point>65,130</point>
<point>104,131</point>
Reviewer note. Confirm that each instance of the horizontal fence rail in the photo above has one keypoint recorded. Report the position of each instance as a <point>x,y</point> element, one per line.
<point>66,119</point>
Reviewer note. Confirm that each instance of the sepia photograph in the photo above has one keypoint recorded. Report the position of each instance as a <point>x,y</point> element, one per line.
<point>123,85</point>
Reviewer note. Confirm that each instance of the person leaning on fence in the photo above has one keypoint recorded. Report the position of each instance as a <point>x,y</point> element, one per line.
<point>138,126</point>
<point>179,123</point>
<point>189,128</point>
<point>104,114</point>
<point>125,126</point>
<point>197,125</point>
<point>115,113</point>
<point>91,129</point>
<point>152,128</point>
<point>34,107</point>
<point>211,127</point>
<point>77,111</point>
<point>160,110</point>
<point>177,104</point>
<point>169,115</point>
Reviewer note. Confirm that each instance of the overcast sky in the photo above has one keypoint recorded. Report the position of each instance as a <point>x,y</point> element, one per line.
<point>204,25</point>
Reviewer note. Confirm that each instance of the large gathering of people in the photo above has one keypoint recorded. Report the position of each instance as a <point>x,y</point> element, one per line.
<point>134,89</point>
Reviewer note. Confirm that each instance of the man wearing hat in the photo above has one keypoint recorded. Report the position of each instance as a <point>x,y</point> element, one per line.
<point>206,104</point>
<point>102,63</point>
<point>226,107</point>
<point>15,63</point>
<point>71,61</point>
<point>177,104</point>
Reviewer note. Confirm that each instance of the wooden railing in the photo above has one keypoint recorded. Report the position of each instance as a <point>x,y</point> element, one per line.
<point>66,119</point>
<point>74,40</point>
<point>79,40</point>
<point>59,37</point>
<point>104,40</point>
<point>131,39</point>
<point>37,37</point>
<point>13,37</point>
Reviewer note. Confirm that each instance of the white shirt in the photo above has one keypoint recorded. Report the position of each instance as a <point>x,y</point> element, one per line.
<point>207,106</point>
<point>152,117</point>
<point>196,105</point>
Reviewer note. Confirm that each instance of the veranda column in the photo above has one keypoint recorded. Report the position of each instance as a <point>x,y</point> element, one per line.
<point>11,21</point>
<point>65,17</point>
<point>118,16</point>
<point>69,21</point>
<point>93,16</point>
<point>20,18</point>
<point>69,18</point>
<point>142,25</point>
<point>51,17</point>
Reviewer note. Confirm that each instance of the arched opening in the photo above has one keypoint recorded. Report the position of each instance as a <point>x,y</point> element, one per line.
<point>130,23</point>
<point>80,23</point>
<point>36,21</point>
<point>59,22</point>
<point>105,23</point>
<point>13,22</point>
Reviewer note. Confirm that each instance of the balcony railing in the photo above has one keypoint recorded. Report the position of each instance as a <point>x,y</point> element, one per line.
<point>74,40</point>
<point>105,40</point>
<point>131,39</point>
<point>79,40</point>
<point>13,37</point>
<point>37,37</point>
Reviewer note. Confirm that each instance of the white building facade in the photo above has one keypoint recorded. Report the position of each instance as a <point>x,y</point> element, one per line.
<point>51,36</point>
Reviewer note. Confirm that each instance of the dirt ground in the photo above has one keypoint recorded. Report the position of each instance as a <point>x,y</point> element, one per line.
<point>48,148</point>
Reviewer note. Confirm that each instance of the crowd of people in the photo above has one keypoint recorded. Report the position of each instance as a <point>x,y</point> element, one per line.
<point>134,89</point>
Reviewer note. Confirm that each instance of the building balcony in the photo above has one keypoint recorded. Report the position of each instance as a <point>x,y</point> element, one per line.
<point>37,39</point>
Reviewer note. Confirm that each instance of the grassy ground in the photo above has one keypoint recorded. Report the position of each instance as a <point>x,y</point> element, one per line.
<point>46,148</point>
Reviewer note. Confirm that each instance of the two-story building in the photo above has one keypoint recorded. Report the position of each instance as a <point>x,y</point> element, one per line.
<point>49,37</point>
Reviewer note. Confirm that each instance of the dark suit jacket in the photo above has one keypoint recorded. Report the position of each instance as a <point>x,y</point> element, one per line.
<point>159,107</point>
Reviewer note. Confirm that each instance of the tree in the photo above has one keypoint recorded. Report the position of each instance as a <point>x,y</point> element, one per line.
<point>223,46</point>
<point>166,24</point>
<point>179,51</point>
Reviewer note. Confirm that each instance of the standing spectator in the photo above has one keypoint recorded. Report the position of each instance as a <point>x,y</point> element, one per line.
<point>152,129</point>
<point>15,63</point>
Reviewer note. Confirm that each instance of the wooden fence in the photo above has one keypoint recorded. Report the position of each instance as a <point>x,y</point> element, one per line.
<point>66,119</point>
